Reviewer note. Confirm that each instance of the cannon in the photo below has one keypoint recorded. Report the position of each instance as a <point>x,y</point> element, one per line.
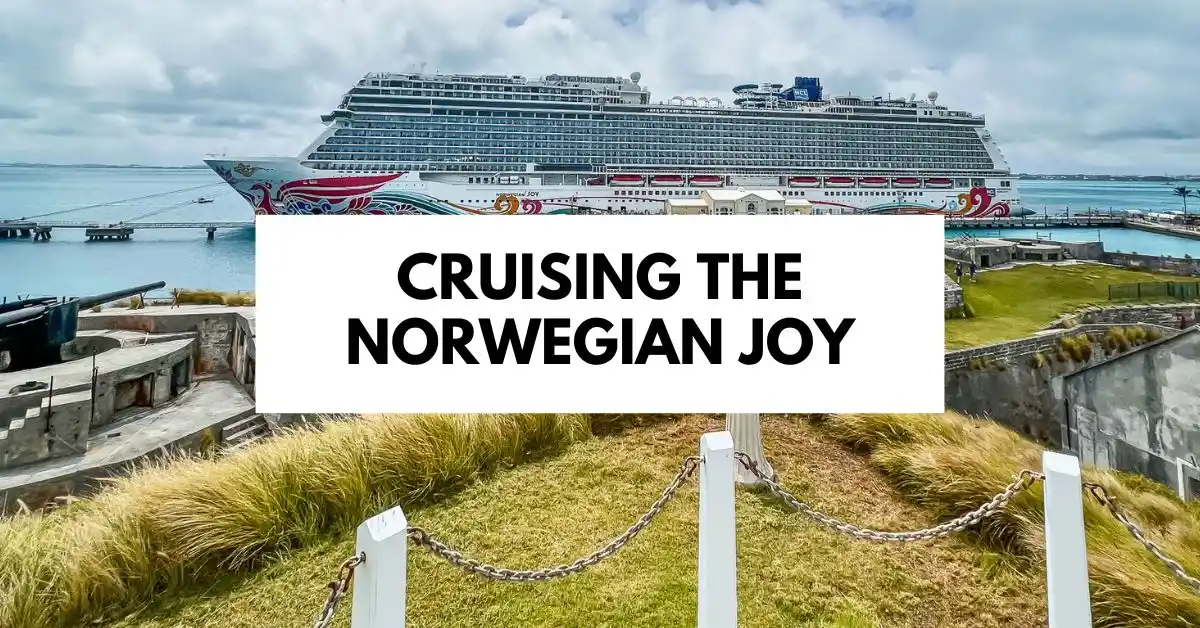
<point>33,331</point>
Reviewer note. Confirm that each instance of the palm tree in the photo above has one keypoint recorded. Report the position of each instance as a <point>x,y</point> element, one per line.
<point>1183,192</point>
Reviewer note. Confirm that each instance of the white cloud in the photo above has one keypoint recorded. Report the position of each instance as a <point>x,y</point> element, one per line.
<point>1069,85</point>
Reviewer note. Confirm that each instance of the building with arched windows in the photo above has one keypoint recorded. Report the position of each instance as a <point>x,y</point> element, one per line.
<point>738,202</point>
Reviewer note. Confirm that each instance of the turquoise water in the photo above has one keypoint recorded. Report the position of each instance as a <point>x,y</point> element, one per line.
<point>1115,239</point>
<point>68,265</point>
<point>1057,197</point>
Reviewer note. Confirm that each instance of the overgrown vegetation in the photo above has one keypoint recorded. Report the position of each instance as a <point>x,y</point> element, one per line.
<point>1121,339</point>
<point>176,543</point>
<point>1078,347</point>
<point>1016,302</point>
<point>192,521</point>
<point>949,465</point>
<point>792,573</point>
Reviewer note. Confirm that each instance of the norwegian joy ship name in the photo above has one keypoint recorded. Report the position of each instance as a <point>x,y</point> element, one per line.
<point>481,144</point>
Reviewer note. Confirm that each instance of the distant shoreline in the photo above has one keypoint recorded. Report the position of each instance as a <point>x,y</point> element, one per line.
<point>101,166</point>
<point>1023,176</point>
<point>1142,178</point>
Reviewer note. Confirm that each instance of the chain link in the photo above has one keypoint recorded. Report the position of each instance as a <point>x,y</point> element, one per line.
<point>1110,504</point>
<point>1023,481</point>
<point>338,589</point>
<point>424,539</point>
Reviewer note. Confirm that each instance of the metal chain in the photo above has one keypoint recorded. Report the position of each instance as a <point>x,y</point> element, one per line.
<point>423,539</point>
<point>338,589</point>
<point>1110,504</point>
<point>1023,481</point>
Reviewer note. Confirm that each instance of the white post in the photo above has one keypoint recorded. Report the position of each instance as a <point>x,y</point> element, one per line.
<point>379,582</point>
<point>1181,478</point>
<point>1066,547</point>
<point>746,428</point>
<point>717,586</point>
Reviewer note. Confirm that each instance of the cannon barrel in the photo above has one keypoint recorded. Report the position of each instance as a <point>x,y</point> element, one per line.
<point>19,304</point>
<point>100,299</point>
<point>21,315</point>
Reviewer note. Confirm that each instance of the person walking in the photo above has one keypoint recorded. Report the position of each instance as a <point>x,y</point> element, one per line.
<point>958,273</point>
<point>972,271</point>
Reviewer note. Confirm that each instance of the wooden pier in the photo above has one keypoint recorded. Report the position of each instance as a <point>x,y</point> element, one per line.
<point>95,232</point>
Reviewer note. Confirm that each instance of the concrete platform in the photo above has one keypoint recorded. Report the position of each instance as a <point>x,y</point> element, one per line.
<point>209,405</point>
<point>77,374</point>
<point>166,378</point>
<point>164,310</point>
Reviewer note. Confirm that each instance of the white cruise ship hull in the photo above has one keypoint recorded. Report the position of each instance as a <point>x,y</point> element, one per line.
<point>285,186</point>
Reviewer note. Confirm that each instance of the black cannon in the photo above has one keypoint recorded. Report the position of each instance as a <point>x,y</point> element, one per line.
<point>33,331</point>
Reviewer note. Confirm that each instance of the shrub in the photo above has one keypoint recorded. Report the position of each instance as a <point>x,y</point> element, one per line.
<point>1077,347</point>
<point>1115,341</point>
<point>211,297</point>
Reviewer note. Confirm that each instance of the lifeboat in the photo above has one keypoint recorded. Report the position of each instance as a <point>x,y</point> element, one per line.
<point>666,179</point>
<point>906,182</point>
<point>938,183</point>
<point>596,181</point>
<point>626,179</point>
<point>804,182</point>
<point>873,182</point>
<point>839,182</point>
<point>707,180</point>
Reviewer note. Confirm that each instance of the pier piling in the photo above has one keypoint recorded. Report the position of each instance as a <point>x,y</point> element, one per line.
<point>108,233</point>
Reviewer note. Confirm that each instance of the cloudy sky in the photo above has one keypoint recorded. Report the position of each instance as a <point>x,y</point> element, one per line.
<point>1067,85</point>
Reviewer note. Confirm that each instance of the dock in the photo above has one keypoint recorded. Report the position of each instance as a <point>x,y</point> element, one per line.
<point>1036,222</point>
<point>1087,220</point>
<point>94,231</point>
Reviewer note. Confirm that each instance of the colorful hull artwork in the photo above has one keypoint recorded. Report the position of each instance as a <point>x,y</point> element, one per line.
<point>974,204</point>
<point>282,187</point>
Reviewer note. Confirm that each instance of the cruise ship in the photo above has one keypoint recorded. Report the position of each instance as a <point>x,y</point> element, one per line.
<point>416,143</point>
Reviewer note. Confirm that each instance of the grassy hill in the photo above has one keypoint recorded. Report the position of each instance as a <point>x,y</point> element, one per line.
<point>1016,302</point>
<point>250,540</point>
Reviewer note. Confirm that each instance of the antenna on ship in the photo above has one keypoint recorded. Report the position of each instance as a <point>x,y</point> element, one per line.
<point>933,98</point>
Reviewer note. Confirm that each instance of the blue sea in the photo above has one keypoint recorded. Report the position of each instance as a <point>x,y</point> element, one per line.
<point>183,258</point>
<point>68,265</point>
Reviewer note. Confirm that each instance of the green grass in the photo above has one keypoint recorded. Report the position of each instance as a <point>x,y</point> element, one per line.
<point>1016,302</point>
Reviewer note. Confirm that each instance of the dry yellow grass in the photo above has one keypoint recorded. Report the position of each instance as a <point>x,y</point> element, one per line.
<point>212,297</point>
<point>791,572</point>
<point>250,540</point>
<point>194,521</point>
<point>948,464</point>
